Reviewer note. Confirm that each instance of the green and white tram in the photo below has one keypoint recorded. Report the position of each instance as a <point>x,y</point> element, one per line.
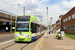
<point>28,28</point>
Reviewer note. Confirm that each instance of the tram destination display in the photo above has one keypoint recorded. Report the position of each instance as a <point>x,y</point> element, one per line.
<point>24,18</point>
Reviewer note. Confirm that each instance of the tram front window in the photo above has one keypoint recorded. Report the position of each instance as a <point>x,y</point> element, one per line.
<point>22,27</point>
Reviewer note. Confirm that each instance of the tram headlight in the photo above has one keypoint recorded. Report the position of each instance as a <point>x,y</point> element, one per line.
<point>28,36</point>
<point>16,35</point>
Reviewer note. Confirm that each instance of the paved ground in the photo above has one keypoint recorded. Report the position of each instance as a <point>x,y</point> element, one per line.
<point>52,43</point>
<point>42,43</point>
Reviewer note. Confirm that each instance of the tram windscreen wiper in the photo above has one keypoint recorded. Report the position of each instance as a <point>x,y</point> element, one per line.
<point>22,27</point>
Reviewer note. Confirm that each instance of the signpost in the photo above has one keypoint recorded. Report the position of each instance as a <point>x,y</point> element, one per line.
<point>10,23</point>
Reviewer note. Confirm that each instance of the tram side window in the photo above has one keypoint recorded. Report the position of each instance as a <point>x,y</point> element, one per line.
<point>33,28</point>
<point>37,28</point>
<point>42,28</point>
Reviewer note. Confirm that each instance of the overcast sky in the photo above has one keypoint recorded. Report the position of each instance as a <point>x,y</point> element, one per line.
<point>38,7</point>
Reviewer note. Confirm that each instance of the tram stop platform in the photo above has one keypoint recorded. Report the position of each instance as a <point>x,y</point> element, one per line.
<point>52,43</point>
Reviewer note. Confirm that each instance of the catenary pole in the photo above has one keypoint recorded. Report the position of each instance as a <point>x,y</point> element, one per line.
<point>47,22</point>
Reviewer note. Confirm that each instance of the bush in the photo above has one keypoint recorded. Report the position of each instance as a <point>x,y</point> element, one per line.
<point>61,29</point>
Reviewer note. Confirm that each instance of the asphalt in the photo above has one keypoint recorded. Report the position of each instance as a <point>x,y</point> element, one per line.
<point>3,39</point>
<point>6,36</point>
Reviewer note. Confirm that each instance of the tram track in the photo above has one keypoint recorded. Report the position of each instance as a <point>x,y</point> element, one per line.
<point>24,46</point>
<point>8,46</point>
<point>18,44</point>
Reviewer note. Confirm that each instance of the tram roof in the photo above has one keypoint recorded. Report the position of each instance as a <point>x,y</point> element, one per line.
<point>35,20</point>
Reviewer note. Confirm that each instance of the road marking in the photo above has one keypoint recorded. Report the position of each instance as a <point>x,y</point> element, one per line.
<point>38,44</point>
<point>6,42</point>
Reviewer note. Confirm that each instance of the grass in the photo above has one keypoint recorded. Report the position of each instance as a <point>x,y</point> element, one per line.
<point>70,35</point>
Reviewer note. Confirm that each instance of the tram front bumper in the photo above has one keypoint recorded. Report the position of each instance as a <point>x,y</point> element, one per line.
<point>22,39</point>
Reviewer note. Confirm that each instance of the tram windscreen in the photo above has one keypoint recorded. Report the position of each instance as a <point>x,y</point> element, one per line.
<point>22,23</point>
<point>22,27</point>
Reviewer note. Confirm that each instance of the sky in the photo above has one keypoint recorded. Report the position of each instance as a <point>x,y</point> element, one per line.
<point>39,7</point>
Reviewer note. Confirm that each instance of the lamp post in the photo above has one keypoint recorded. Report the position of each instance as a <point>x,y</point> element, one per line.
<point>47,22</point>
<point>11,18</point>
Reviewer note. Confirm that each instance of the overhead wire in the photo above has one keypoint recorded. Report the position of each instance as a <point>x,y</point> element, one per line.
<point>35,9</point>
<point>17,9</point>
<point>33,5</point>
<point>9,5</point>
<point>5,2</point>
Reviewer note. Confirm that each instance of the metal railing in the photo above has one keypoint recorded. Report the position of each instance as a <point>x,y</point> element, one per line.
<point>7,12</point>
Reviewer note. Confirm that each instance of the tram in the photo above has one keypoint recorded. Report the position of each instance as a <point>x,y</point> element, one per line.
<point>28,28</point>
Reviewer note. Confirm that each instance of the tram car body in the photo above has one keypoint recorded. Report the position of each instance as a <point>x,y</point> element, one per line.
<point>28,28</point>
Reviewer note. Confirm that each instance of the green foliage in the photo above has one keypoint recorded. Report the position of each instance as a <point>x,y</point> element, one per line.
<point>54,28</point>
<point>61,29</point>
<point>70,35</point>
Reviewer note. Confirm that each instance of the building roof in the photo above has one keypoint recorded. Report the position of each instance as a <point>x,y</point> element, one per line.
<point>57,21</point>
<point>61,16</point>
<point>69,11</point>
<point>53,24</point>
